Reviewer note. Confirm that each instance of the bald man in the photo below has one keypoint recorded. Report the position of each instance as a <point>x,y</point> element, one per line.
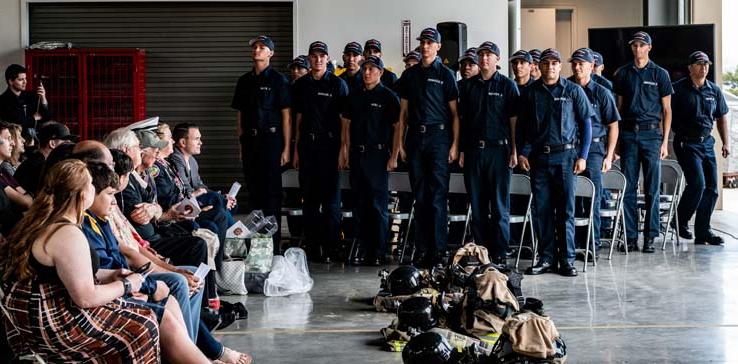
<point>92,150</point>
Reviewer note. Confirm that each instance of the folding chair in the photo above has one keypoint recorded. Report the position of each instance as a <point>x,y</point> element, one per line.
<point>586,189</point>
<point>615,182</point>
<point>291,179</point>
<point>520,186</point>
<point>456,185</point>
<point>344,183</point>
<point>672,179</point>
<point>400,182</point>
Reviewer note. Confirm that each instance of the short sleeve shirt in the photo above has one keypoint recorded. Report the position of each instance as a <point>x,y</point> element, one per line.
<point>695,108</point>
<point>604,109</point>
<point>486,106</point>
<point>320,102</point>
<point>642,90</point>
<point>261,98</point>
<point>428,91</point>
<point>372,114</point>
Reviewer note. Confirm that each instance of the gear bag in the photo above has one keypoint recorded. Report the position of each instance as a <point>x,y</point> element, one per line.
<point>487,303</point>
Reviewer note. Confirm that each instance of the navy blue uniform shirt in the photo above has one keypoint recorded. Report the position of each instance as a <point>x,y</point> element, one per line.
<point>320,102</point>
<point>604,108</point>
<point>428,91</point>
<point>261,98</point>
<point>642,90</point>
<point>523,86</point>
<point>695,108</point>
<point>485,108</point>
<point>554,115</point>
<point>602,81</point>
<point>389,79</point>
<point>352,81</point>
<point>372,114</point>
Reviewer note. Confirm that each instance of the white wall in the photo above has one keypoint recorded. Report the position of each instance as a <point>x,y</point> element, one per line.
<point>594,14</point>
<point>10,43</point>
<point>339,22</point>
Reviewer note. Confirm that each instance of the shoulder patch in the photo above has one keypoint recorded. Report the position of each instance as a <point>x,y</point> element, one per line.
<point>154,171</point>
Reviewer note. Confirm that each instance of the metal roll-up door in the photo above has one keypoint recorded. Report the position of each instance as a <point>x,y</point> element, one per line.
<point>195,52</point>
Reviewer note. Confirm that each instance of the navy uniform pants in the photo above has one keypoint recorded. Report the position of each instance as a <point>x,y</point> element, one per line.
<point>321,191</point>
<point>427,156</point>
<point>369,182</point>
<point>553,182</point>
<point>641,149</point>
<point>487,178</point>
<point>261,156</point>
<point>699,165</point>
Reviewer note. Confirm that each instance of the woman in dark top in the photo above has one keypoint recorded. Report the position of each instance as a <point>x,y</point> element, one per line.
<point>65,309</point>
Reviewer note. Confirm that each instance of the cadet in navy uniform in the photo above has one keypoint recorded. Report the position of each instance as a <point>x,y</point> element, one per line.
<point>644,97</point>
<point>352,58</point>
<point>521,62</point>
<point>318,100</point>
<point>697,104</point>
<point>604,127</point>
<point>487,109</point>
<point>262,98</point>
<point>368,124</point>
<point>599,66</point>
<point>535,72</point>
<point>373,47</point>
<point>469,63</point>
<point>428,97</point>
<point>411,59</point>
<point>554,118</point>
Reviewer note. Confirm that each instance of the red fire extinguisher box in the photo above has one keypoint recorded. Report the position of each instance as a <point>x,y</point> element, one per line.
<point>91,90</point>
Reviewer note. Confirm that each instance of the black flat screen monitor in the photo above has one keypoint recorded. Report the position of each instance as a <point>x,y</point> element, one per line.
<point>672,46</point>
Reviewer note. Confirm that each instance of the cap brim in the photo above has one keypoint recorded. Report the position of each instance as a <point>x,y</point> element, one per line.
<point>578,59</point>
<point>639,40</point>
<point>434,40</point>
<point>702,62</point>
<point>522,58</point>
<point>254,41</point>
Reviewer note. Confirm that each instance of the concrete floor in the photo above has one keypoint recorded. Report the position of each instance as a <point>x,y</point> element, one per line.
<point>677,306</point>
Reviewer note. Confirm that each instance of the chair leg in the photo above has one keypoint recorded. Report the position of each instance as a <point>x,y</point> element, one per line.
<point>586,249</point>
<point>533,238</point>
<point>520,245</point>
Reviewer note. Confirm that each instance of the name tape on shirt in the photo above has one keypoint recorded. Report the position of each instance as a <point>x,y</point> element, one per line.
<point>435,81</point>
<point>265,88</point>
<point>326,94</point>
<point>376,105</point>
<point>650,83</point>
<point>562,99</point>
<point>709,98</point>
<point>496,94</point>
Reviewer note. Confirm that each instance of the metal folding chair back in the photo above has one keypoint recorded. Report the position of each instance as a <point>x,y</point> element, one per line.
<point>400,182</point>
<point>615,181</point>
<point>520,186</point>
<point>456,185</point>
<point>586,189</point>
<point>672,181</point>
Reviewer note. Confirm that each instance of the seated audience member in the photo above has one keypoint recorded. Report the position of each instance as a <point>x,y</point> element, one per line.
<point>170,191</point>
<point>50,136</point>
<point>92,150</point>
<point>19,198</point>
<point>11,165</point>
<point>51,277</point>
<point>187,143</point>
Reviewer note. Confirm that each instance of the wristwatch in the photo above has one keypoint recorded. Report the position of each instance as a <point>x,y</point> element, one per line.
<point>126,287</point>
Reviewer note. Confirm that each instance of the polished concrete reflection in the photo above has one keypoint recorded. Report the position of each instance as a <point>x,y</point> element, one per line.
<point>679,305</point>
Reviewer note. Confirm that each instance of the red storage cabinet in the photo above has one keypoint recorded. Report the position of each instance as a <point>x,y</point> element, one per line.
<point>92,90</point>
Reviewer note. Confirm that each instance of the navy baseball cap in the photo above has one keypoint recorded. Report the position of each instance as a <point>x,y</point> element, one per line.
<point>318,46</point>
<point>699,57</point>
<point>599,60</point>
<point>353,47</point>
<point>263,39</point>
<point>430,34</point>
<point>374,61</point>
<point>535,54</point>
<point>489,47</point>
<point>299,61</point>
<point>550,53</point>
<point>522,55</point>
<point>642,37</point>
<point>469,55</point>
<point>582,55</point>
<point>373,44</point>
<point>412,55</point>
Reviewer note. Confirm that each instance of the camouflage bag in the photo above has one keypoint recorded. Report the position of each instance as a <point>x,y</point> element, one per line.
<point>259,259</point>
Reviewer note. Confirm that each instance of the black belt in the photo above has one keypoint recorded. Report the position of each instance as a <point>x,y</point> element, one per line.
<point>491,143</point>
<point>423,128</point>
<point>257,132</point>
<point>548,149</point>
<point>319,135</point>
<point>361,148</point>
<point>693,139</point>
<point>597,140</point>
<point>640,127</point>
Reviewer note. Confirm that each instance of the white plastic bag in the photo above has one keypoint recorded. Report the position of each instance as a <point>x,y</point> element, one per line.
<point>289,275</point>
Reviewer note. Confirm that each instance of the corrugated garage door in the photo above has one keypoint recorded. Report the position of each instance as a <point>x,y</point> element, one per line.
<point>195,52</point>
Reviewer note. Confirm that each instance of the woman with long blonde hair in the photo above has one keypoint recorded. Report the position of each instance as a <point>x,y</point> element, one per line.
<point>61,306</point>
